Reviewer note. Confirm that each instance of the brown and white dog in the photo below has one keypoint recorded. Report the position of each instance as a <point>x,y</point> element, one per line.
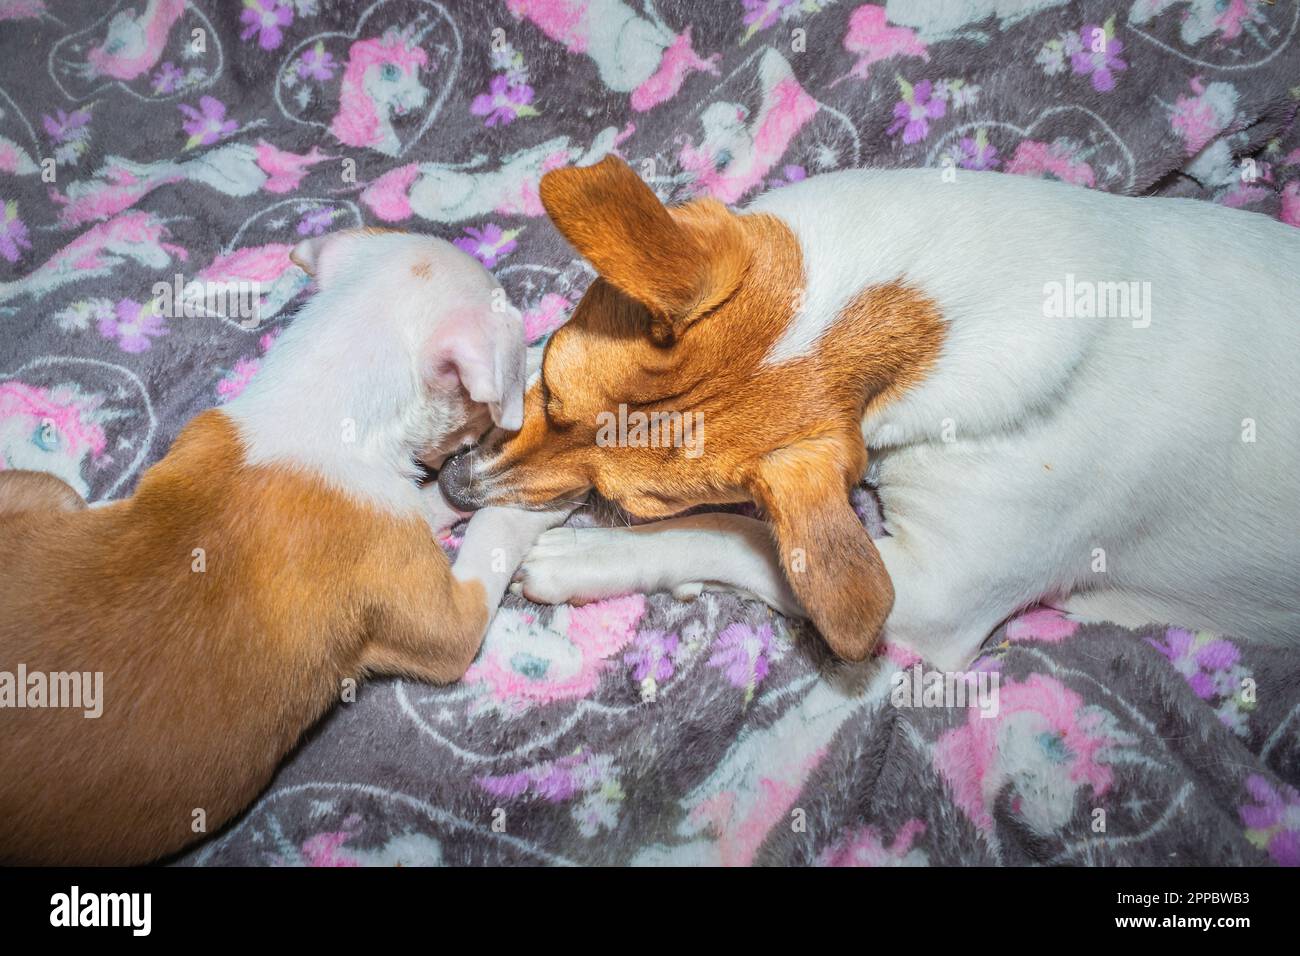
<point>1065,395</point>
<point>281,550</point>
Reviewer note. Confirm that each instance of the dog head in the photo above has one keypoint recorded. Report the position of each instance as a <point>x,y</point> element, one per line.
<point>661,391</point>
<point>423,339</point>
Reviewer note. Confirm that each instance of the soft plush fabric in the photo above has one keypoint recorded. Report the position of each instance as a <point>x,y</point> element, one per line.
<point>205,138</point>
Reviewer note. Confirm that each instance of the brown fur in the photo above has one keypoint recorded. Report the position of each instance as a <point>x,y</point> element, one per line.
<point>688,303</point>
<point>211,676</point>
<point>28,490</point>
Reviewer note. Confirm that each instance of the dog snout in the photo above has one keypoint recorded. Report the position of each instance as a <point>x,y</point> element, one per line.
<point>456,479</point>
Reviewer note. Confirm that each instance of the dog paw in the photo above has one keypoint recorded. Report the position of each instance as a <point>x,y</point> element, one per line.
<point>688,592</point>
<point>570,566</point>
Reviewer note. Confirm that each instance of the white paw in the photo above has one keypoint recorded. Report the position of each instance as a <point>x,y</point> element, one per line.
<point>688,592</point>
<point>571,566</point>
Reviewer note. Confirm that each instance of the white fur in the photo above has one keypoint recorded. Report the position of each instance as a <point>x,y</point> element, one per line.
<point>352,365</point>
<point>362,359</point>
<point>1038,440</point>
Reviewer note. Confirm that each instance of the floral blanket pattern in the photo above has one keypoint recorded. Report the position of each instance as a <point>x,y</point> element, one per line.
<point>145,139</point>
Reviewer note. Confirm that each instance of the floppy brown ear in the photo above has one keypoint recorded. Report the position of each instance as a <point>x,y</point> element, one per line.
<point>677,266</point>
<point>829,559</point>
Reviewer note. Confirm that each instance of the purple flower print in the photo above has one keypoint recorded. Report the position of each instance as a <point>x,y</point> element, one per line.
<point>208,123</point>
<point>1214,671</point>
<point>13,233</point>
<point>977,152</point>
<point>789,176</point>
<point>488,245</point>
<point>1102,65</point>
<point>761,14</point>
<point>67,126</point>
<point>1200,659</point>
<point>167,78</point>
<point>741,653</point>
<point>592,777</point>
<point>133,326</point>
<point>652,655</point>
<point>912,114</point>
<point>265,19</point>
<point>317,63</point>
<point>316,221</point>
<point>1272,820</point>
<point>504,102</point>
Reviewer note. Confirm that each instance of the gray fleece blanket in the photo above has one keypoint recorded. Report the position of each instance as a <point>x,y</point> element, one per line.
<point>142,140</point>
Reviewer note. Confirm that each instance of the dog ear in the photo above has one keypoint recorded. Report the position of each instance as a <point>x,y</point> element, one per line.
<point>484,349</point>
<point>677,263</point>
<point>320,256</point>
<point>829,559</point>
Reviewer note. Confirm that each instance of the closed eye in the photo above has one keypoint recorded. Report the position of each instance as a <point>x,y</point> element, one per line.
<point>551,404</point>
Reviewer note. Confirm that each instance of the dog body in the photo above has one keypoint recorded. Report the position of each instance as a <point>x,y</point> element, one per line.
<point>1066,396</point>
<point>280,551</point>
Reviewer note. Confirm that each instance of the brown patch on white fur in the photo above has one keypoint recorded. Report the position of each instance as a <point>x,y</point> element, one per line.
<point>422,270</point>
<point>210,676</point>
<point>689,302</point>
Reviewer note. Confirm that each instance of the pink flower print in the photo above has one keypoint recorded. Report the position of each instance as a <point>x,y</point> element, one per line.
<point>317,63</point>
<point>237,379</point>
<point>316,221</point>
<point>504,102</point>
<point>13,233</point>
<point>1104,64</point>
<point>1044,742</point>
<point>323,850</point>
<point>168,78</point>
<point>284,170</point>
<point>265,19</point>
<point>1050,161</point>
<point>1041,624</point>
<point>233,385</point>
<point>912,114</point>
<point>1272,820</point>
<point>208,123</point>
<point>1291,203</point>
<point>488,245</point>
<point>873,39</point>
<point>677,63</point>
<point>132,325</point>
<point>546,317</point>
<point>1201,117</point>
<point>741,653</point>
<point>522,667</point>
<point>865,847</point>
<point>652,655</point>
<point>388,197</point>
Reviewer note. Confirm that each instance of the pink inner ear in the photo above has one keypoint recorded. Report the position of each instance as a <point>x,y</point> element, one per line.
<point>475,347</point>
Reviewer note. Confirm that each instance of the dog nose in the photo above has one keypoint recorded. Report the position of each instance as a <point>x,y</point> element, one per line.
<point>455,479</point>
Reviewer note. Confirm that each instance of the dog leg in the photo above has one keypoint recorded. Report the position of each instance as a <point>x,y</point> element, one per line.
<point>428,624</point>
<point>680,555</point>
<point>36,491</point>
